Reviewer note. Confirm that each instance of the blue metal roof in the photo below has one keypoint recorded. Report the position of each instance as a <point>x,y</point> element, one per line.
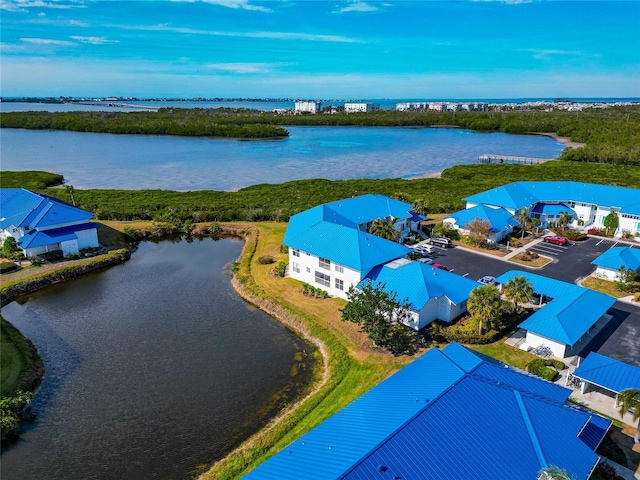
<point>499,218</point>
<point>524,194</point>
<point>608,373</point>
<point>347,246</point>
<point>39,238</point>
<point>482,430</point>
<point>22,208</point>
<point>570,314</point>
<point>434,420</point>
<point>419,283</point>
<point>617,257</point>
<point>552,209</point>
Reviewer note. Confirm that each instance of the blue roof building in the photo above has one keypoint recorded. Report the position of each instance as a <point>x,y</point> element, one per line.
<point>562,322</point>
<point>608,373</point>
<point>433,293</point>
<point>449,414</point>
<point>609,263</point>
<point>41,223</point>
<point>330,246</point>
<point>502,220</point>
<point>588,202</point>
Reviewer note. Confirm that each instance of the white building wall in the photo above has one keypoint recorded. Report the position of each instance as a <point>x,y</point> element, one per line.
<point>606,273</point>
<point>533,341</point>
<point>87,238</point>
<point>69,247</point>
<point>303,267</point>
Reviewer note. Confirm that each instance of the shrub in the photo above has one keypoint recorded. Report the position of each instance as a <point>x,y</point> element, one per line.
<point>284,249</point>
<point>528,255</point>
<point>636,297</point>
<point>545,368</point>
<point>514,241</point>
<point>6,267</point>
<point>574,234</point>
<point>266,260</point>
<point>444,230</point>
<point>467,240</point>
<point>281,269</point>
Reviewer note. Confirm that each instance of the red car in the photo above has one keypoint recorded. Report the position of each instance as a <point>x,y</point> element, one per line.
<point>556,240</point>
<point>440,266</point>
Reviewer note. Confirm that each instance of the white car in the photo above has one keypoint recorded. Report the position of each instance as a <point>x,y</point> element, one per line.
<point>425,249</point>
<point>426,261</point>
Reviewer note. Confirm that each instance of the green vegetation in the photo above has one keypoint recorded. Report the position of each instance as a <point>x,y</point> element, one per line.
<point>279,202</point>
<point>380,314</point>
<point>180,121</point>
<point>31,180</point>
<point>547,369</point>
<point>612,135</point>
<point>17,360</point>
<point>629,401</point>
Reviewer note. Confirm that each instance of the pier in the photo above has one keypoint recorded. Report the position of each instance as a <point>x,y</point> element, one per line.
<point>491,158</point>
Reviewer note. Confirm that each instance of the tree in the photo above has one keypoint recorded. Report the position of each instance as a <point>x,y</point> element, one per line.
<point>553,473</point>
<point>421,207</point>
<point>379,313</point>
<point>10,408</point>
<point>519,290</point>
<point>485,304</point>
<point>625,278</point>
<point>611,222</point>
<point>479,230</point>
<point>70,190</point>
<point>10,247</point>
<point>563,220</point>
<point>523,220</point>
<point>629,399</point>
<point>384,229</point>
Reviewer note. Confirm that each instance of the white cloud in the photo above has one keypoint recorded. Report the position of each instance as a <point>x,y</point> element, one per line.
<point>46,41</point>
<point>23,5</point>
<point>546,54</point>
<point>241,4</point>
<point>276,35</point>
<point>508,2</point>
<point>93,40</point>
<point>243,68</point>
<point>357,6</point>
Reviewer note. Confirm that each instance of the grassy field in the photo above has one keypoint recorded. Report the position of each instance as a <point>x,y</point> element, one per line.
<point>17,360</point>
<point>607,287</point>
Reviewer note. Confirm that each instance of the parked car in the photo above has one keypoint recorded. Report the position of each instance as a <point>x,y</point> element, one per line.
<point>443,242</point>
<point>425,249</point>
<point>556,239</point>
<point>440,266</point>
<point>426,261</point>
<point>487,280</point>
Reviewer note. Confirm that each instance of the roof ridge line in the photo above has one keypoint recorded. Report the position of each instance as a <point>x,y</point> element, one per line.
<point>530,430</point>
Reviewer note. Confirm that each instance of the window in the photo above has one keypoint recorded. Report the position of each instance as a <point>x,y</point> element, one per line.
<point>296,267</point>
<point>308,270</point>
<point>296,252</point>
<point>339,268</point>
<point>339,284</point>
<point>323,279</point>
<point>324,263</point>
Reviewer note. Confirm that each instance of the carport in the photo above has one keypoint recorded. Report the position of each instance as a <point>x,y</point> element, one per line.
<point>608,374</point>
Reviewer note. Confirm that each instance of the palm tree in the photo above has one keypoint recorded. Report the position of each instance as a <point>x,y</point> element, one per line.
<point>70,190</point>
<point>518,290</point>
<point>384,229</point>
<point>629,399</point>
<point>563,220</point>
<point>485,304</point>
<point>553,473</point>
<point>523,219</point>
<point>421,207</point>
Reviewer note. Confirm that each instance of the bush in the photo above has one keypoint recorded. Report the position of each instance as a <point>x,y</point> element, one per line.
<point>514,241</point>
<point>284,249</point>
<point>444,230</point>
<point>6,267</point>
<point>574,235</point>
<point>266,260</point>
<point>545,368</point>
<point>281,269</point>
<point>636,297</point>
<point>528,256</point>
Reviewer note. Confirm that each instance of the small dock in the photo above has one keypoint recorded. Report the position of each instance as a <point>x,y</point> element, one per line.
<point>491,158</point>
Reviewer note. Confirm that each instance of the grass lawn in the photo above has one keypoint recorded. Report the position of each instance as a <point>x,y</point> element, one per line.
<point>606,286</point>
<point>535,263</point>
<point>506,353</point>
<point>16,360</point>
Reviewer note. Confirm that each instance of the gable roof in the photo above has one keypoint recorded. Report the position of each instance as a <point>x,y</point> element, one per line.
<point>419,283</point>
<point>570,314</point>
<point>524,194</point>
<point>36,238</point>
<point>346,246</point>
<point>420,423</point>
<point>608,373</point>
<point>552,209</point>
<point>499,218</point>
<point>617,257</point>
<point>22,208</point>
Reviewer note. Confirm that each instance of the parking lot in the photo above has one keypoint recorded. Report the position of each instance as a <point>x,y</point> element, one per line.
<point>619,339</point>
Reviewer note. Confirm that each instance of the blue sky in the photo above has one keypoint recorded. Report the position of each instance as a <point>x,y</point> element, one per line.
<point>321,49</point>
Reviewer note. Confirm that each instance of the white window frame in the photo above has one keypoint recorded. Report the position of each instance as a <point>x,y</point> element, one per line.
<point>339,284</point>
<point>324,263</point>
<point>323,279</point>
<point>339,268</point>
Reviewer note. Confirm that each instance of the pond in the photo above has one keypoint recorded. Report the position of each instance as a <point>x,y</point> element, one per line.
<point>153,367</point>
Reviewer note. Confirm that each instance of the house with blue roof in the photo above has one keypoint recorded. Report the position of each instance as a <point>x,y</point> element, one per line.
<point>451,413</point>
<point>565,320</point>
<point>605,373</point>
<point>433,293</point>
<point>586,204</point>
<point>501,220</point>
<point>40,223</point>
<point>609,262</point>
<point>330,245</point>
